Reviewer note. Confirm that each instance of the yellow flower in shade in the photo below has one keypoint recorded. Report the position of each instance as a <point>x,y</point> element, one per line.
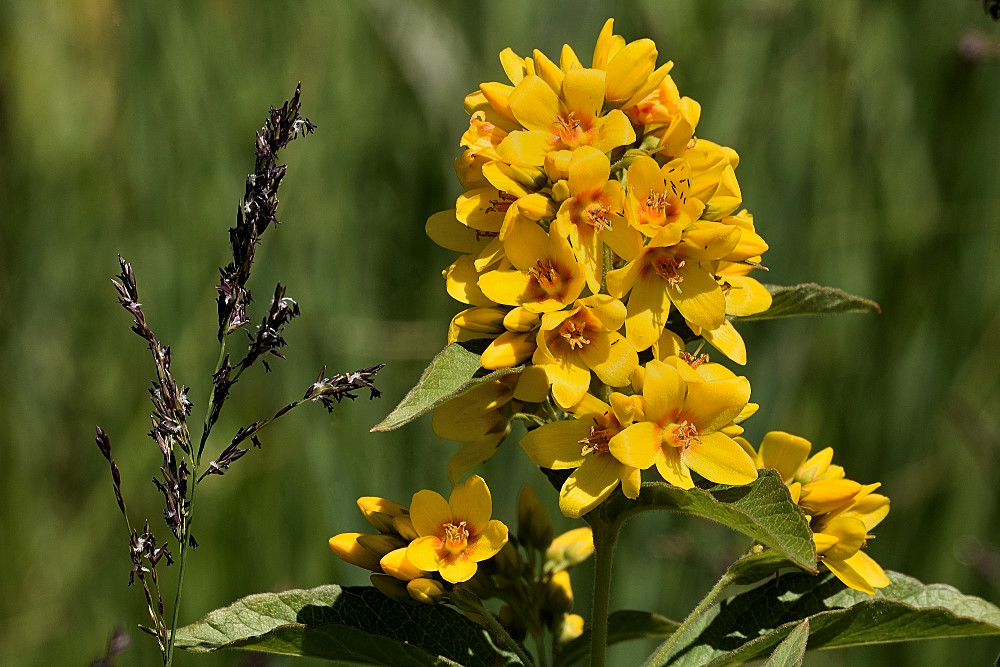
<point>592,216</point>
<point>564,119</point>
<point>659,196</point>
<point>841,511</point>
<point>584,338</point>
<point>455,534</point>
<point>582,444</point>
<point>670,270</point>
<point>546,275</point>
<point>681,428</point>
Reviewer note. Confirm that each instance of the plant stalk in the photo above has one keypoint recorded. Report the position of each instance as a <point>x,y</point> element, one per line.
<point>605,540</point>
<point>660,654</point>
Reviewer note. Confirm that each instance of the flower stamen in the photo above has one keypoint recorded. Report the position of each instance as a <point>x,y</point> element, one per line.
<point>573,334</point>
<point>684,433</point>
<point>597,216</point>
<point>692,360</point>
<point>668,268</point>
<point>456,538</point>
<point>502,204</point>
<point>545,274</point>
<point>597,441</point>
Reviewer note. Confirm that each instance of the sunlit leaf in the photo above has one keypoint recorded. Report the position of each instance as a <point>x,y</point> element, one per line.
<point>455,370</point>
<point>748,626</point>
<point>353,625</point>
<point>811,299</point>
<point>762,510</point>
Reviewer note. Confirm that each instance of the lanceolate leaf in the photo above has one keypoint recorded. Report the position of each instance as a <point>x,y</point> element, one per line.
<point>623,625</point>
<point>749,626</point>
<point>350,626</point>
<point>791,651</point>
<point>762,510</point>
<point>811,299</point>
<point>453,371</point>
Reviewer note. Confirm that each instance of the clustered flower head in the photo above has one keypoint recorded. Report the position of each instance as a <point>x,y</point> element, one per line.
<point>596,236</point>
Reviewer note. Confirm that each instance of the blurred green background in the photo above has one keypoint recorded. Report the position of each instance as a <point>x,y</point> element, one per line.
<point>869,135</point>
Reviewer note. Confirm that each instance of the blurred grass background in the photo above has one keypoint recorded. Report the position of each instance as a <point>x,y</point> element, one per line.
<point>869,135</point>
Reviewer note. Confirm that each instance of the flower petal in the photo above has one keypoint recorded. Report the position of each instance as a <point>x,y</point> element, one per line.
<point>713,405</point>
<point>487,542</point>
<point>592,482</point>
<point>637,445</point>
<point>718,458</point>
<point>423,553</point>
<point>556,445</point>
<point>783,452</point>
<point>470,501</point>
<point>429,511</point>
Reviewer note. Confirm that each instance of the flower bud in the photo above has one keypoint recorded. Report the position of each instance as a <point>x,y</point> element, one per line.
<point>345,546</point>
<point>403,526</point>
<point>391,587</point>
<point>508,349</point>
<point>380,545</point>
<point>380,511</point>
<point>395,564</point>
<point>427,591</point>
<point>559,593</point>
<point>569,549</point>
<point>533,525</point>
<point>570,627</point>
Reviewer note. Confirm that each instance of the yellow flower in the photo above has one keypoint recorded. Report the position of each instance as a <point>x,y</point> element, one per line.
<point>841,511</point>
<point>670,270</point>
<point>584,338</point>
<point>630,74</point>
<point>546,275</point>
<point>455,534</point>
<point>681,428</point>
<point>581,444</point>
<point>563,119</point>
<point>665,114</point>
<point>659,196</point>
<point>592,215</point>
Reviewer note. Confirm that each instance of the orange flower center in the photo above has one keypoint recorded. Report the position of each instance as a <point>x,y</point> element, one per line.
<point>668,267</point>
<point>683,434</point>
<point>597,216</point>
<point>456,538</point>
<point>567,127</point>
<point>502,204</point>
<point>546,275</point>
<point>572,332</point>
<point>657,203</point>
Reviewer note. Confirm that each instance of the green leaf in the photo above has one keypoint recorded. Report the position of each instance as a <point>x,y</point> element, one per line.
<point>455,370</point>
<point>762,510</point>
<point>756,566</point>
<point>350,626</point>
<point>792,650</point>
<point>811,299</point>
<point>623,625</point>
<point>748,626</point>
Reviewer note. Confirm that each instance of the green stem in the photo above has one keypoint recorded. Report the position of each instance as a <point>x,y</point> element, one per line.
<point>605,539</point>
<point>661,653</point>
<point>189,514</point>
<point>467,601</point>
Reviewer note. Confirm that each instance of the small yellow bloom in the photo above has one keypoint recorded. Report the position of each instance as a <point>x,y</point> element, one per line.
<point>585,338</point>
<point>582,444</point>
<point>346,547</point>
<point>592,215</point>
<point>682,429</point>
<point>455,534</point>
<point>659,196</point>
<point>546,275</point>
<point>569,549</point>
<point>563,119</point>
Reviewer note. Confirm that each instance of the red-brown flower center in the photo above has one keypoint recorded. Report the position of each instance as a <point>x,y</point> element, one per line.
<point>693,361</point>
<point>597,441</point>
<point>668,267</point>
<point>545,274</point>
<point>501,204</point>
<point>597,216</point>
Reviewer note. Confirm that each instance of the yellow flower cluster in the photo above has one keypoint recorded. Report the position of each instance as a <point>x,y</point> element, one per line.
<point>450,537</point>
<point>595,227</point>
<point>590,214</point>
<point>597,236</point>
<point>841,512</point>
